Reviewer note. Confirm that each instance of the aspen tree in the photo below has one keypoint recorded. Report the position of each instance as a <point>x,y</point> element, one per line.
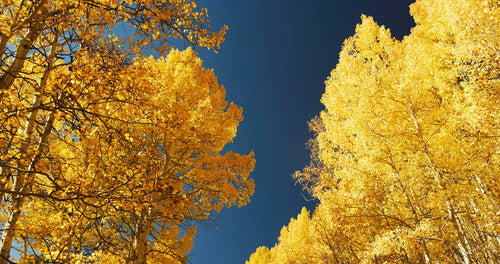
<point>107,155</point>
<point>405,155</point>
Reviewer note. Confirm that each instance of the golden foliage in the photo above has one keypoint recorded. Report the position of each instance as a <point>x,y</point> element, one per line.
<point>107,156</point>
<point>406,160</point>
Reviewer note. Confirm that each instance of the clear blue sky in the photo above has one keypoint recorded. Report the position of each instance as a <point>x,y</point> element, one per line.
<point>276,57</point>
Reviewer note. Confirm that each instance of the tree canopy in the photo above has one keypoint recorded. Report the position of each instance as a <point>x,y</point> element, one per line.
<point>106,155</point>
<point>405,157</point>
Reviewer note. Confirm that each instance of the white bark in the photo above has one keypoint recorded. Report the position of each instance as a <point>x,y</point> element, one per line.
<point>23,175</point>
<point>22,185</point>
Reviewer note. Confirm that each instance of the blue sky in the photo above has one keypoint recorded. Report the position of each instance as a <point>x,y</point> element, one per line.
<point>274,62</point>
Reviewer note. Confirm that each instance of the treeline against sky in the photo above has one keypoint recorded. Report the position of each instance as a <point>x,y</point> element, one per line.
<point>405,158</point>
<point>107,155</point>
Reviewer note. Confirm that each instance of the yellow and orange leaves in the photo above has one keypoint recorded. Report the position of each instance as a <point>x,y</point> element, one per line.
<point>262,255</point>
<point>295,240</point>
<point>406,165</point>
<point>171,239</point>
<point>296,244</point>
<point>152,144</point>
<point>84,125</point>
<point>186,19</point>
<point>395,119</point>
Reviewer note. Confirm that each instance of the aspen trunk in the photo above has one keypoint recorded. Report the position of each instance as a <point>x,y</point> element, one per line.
<point>5,170</point>
<point>3,43</point>
<point>9,229</point>
<point>462,241</point>
<point>463,245</point>
<point>23,177</point>
<point>22,50</point>
<point>22,184</point>
<point>142,230</point>
<point>17,188</point>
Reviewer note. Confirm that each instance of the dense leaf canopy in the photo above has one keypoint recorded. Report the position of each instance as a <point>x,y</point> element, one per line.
<point>108,156</point>
<point>405,158</point>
